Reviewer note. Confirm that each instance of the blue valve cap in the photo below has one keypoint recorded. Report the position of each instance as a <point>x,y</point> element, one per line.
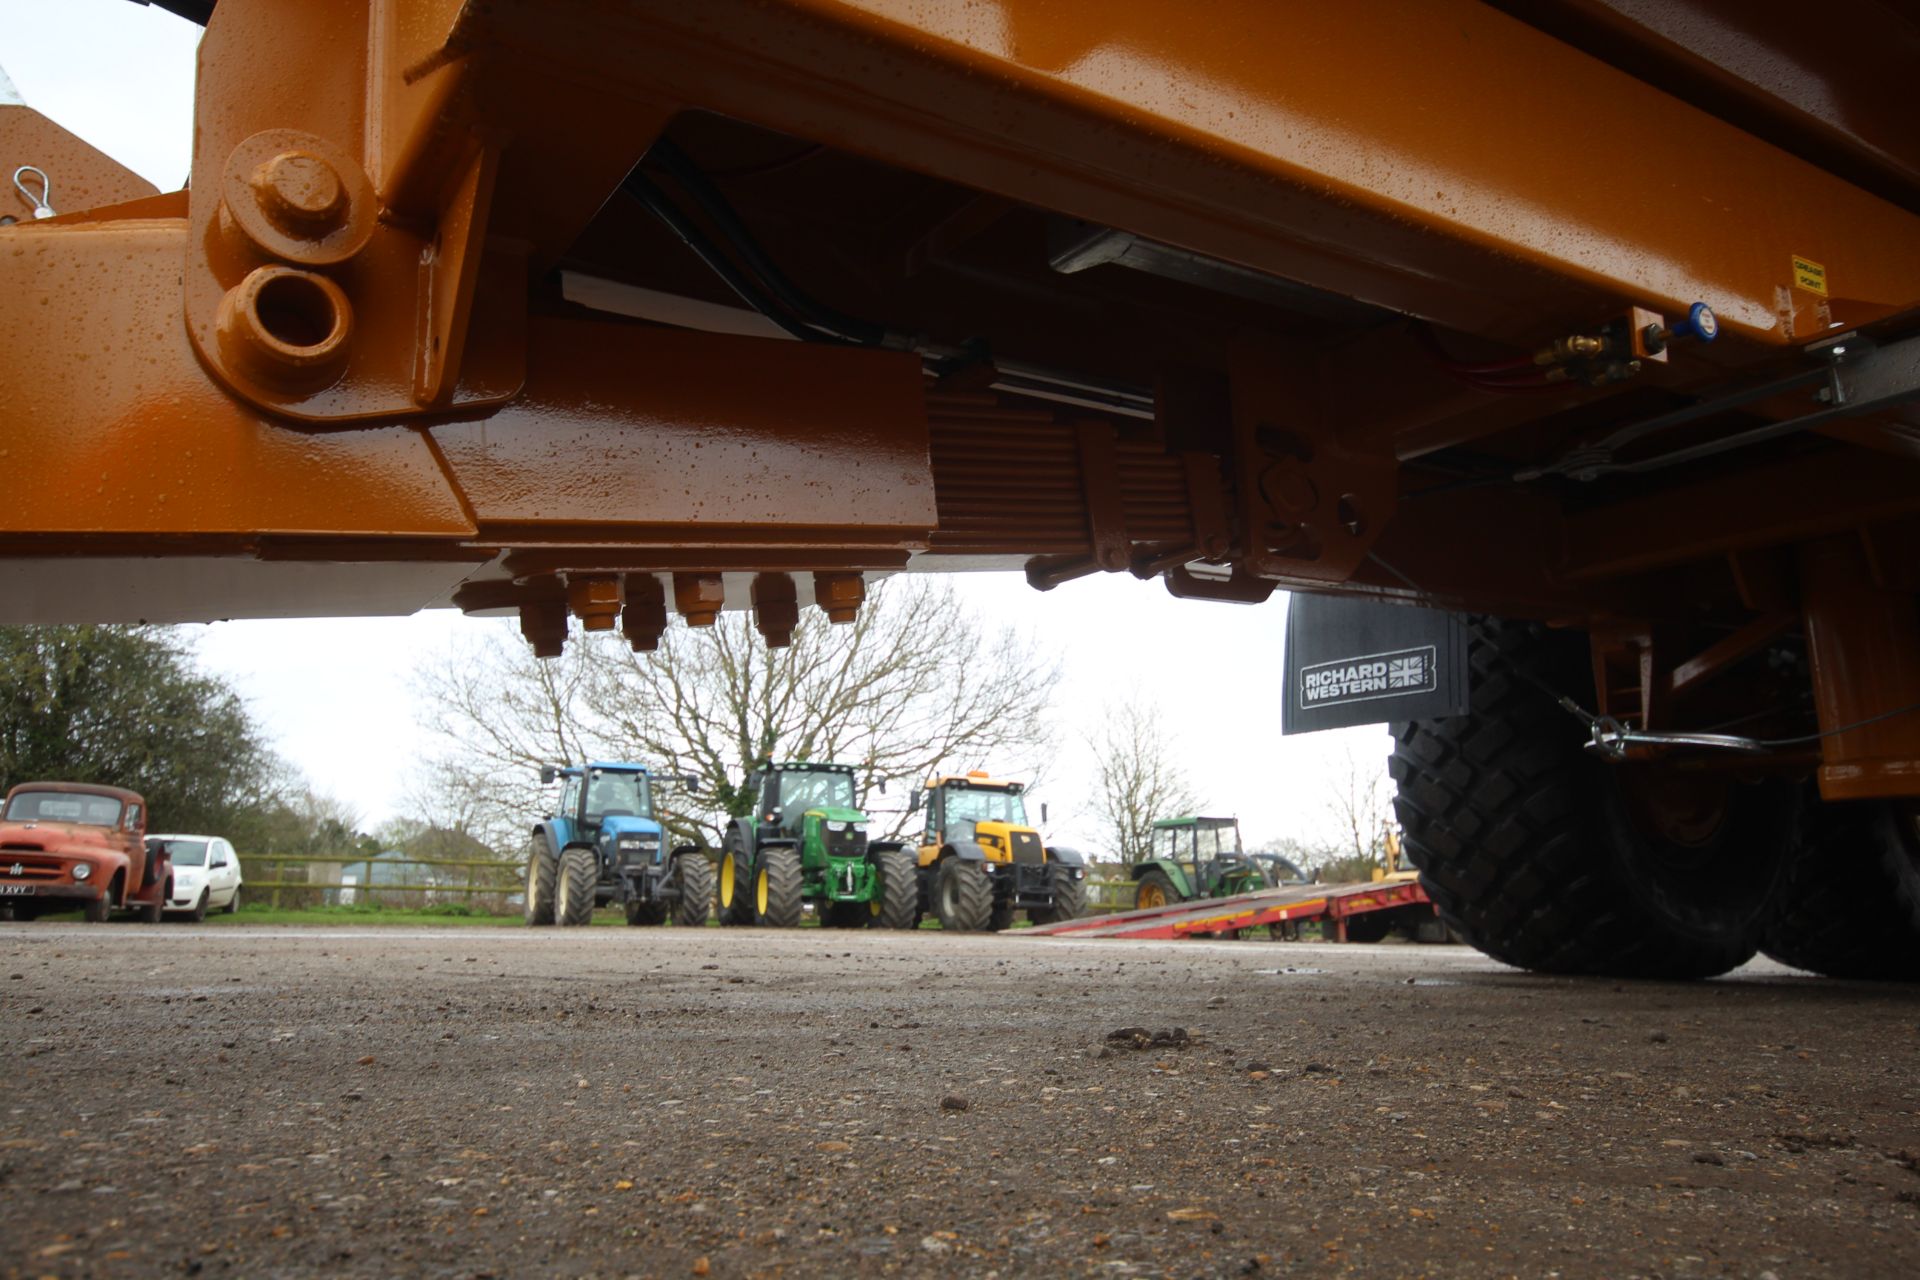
<point>1700,323</point>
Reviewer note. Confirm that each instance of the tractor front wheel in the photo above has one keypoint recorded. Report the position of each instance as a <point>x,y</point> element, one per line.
<point>896,901</point>
<point>573,902</point>
<point>1069,893</point>
<point>1155,890</point>
<point>542,869</point>
<point>693,876</point>
<point>733,894</point>
<point>963,897</point>
<point>776,889</point>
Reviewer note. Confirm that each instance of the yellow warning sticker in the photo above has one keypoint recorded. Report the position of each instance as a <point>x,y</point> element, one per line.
<point>1810,276</point>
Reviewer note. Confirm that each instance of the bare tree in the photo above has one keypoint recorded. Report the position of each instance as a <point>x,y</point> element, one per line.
<point>1137,777</point>
<point>1360,807</point>
<point>913,684</point>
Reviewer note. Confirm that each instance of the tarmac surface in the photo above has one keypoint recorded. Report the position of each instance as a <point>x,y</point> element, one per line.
<point>489,1102</point>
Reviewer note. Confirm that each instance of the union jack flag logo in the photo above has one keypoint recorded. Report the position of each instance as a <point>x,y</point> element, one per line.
<point>1407,673</point>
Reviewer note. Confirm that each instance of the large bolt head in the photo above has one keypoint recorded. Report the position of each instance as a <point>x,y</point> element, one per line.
<point>300,192</point>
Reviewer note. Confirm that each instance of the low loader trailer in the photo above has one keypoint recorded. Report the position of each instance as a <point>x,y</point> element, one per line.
<point>1354,912</point>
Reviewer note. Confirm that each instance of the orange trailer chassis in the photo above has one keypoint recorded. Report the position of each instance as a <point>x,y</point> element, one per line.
<point>1387,300</point>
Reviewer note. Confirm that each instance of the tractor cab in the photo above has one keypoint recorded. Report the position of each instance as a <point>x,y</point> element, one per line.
<point>981,860</point>
<point>790,792</point>
<point>1195,857</point>
<point>609,807</point>
<point>975,808</point>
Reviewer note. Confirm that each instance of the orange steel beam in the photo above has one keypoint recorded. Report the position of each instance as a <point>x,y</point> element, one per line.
<point>1441,159</point>
<point>332,377</point>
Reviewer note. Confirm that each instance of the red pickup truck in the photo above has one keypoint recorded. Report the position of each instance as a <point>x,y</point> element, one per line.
<point>73,844</point>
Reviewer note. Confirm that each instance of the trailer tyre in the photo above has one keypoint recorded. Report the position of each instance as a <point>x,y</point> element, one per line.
<point>694,875</point>
<point>776,889</point>
<point>896,902</point>
<point>963,896</point>
<point>1849,903</point>
<point>1547,858</point>
<point>542,869</point>
<point>578,874</point>
<point>1069,896</point>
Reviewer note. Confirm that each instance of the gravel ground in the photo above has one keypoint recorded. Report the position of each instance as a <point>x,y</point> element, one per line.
<point>296,1102</point>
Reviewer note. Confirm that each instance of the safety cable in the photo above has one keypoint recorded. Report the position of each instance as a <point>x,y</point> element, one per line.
<point>1610,732</point>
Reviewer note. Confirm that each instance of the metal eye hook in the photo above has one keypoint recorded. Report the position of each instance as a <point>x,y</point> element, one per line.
<point>41,209</point>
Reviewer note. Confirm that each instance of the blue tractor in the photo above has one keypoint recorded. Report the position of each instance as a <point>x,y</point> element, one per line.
<point>606,845</point>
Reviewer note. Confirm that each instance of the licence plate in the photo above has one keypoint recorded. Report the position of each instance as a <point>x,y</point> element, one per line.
<point>15,890</point>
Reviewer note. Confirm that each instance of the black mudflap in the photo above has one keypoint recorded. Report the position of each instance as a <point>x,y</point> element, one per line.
<point>1352,662</point>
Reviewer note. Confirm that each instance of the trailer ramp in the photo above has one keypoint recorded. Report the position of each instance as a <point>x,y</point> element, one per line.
<point>1226,917</point>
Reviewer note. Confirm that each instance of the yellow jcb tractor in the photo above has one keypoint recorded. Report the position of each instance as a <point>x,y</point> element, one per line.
<point>980,861</point>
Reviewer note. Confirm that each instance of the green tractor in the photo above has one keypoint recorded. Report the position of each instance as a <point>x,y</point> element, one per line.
<point>1195,857</point>
<point>806,842</point>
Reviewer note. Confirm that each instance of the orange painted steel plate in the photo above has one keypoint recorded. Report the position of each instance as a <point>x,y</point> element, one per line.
<point>82,176</point>
<point>112,426</point>
<point>703,437</point>
<point>1438,157</point>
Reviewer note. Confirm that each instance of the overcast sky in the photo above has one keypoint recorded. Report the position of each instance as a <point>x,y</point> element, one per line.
<point>335,693</point>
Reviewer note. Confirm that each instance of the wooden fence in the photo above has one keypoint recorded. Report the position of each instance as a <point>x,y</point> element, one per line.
<point>492,881</point>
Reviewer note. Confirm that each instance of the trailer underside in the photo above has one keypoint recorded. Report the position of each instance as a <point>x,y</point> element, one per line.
<point>1590,312</point>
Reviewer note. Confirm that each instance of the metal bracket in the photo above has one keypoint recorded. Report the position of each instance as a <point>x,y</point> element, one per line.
<point>337,267</point>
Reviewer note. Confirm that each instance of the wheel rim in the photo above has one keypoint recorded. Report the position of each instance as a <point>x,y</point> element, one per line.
<point>947,895</point>
<point>1152,895</point>
<point>760,891</point>
<point>1683,811</point>
<point>726,881</point>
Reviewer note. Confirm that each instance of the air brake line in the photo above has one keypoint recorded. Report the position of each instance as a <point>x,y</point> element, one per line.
<point>759,282</point>
<point>641,188</point>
